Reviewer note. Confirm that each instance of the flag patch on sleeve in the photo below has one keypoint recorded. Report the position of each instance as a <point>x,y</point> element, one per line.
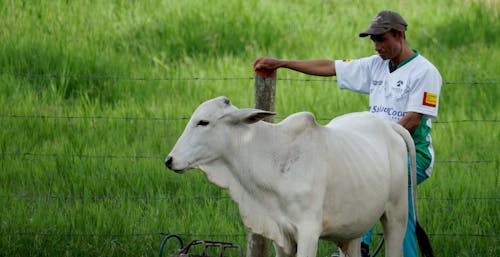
<point>430,99</point>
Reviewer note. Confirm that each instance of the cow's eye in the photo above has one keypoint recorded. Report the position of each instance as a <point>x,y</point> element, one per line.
<point>202,123</point>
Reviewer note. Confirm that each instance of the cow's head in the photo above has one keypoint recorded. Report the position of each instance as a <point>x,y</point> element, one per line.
<point>208,133</point>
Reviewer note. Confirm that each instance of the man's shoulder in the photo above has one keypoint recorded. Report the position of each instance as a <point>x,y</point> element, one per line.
<point>421,60</point>
<point>376,59</point>
<point>424,65</point>
<point>376,62</point>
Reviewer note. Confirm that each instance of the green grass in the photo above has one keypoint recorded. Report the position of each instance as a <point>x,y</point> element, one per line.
<point>81,155</point>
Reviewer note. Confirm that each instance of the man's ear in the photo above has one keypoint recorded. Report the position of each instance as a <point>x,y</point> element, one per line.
<point>400,34</point>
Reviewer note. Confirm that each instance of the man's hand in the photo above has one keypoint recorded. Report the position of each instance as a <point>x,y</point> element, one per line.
<point>410,121</point>
<point>266,63</point>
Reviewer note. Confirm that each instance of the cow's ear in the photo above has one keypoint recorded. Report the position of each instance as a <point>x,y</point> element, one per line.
<point>257,116</point>
<point>250,116</point>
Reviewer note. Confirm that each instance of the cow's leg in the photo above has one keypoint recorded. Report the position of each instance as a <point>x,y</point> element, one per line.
<point>280,252</point>
<point>307,240</point>
<point>394,226</point>
<point>257,245</point>
<point>351,248</point>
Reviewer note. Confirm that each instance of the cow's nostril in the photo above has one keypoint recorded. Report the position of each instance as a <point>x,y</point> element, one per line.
<point>168,162</point>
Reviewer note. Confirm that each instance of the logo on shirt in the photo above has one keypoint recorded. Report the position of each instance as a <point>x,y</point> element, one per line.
<point>430,99</point>
<point>399,83</point>
<point>391,112</point>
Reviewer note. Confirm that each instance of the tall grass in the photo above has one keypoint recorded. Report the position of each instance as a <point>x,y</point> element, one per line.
<point>81,170</point>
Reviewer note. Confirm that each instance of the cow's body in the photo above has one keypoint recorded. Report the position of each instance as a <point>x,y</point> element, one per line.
<point>297,181</point>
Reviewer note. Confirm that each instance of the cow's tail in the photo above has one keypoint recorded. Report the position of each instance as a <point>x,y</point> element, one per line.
<point>423,240</point>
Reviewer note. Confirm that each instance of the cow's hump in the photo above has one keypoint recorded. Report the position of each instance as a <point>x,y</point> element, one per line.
<point>299,122</point>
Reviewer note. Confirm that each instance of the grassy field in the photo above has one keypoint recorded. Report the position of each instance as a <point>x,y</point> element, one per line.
<point>95,93</point>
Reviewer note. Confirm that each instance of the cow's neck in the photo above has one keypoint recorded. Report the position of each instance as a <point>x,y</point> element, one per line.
<point>250,162</point>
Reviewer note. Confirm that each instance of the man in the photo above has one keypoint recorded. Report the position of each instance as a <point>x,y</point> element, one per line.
<point>402,85</point>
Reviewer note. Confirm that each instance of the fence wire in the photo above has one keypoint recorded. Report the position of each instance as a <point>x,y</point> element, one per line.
<point>132,118</point>
<point>195,198</point>
<point>157,157</point>
<point>121,77</point>
<point>200,235</point>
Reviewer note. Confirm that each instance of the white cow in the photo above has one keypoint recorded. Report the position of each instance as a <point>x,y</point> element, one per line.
<point>297,181</point>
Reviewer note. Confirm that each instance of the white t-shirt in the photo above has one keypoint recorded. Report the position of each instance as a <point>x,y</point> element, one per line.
<point>413,87</point>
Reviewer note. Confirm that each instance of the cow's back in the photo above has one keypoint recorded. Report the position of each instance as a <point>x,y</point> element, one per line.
<point>364,130</point>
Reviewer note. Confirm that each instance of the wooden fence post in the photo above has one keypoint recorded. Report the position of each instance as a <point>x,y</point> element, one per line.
<point>264,95</point>
<point>265,91</point>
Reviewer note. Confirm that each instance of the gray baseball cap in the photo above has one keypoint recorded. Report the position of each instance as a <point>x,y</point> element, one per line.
<point>383,22</point>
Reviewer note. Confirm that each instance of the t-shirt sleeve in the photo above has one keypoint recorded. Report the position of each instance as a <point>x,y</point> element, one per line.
<point>424,94</point>
<point>354,74</point>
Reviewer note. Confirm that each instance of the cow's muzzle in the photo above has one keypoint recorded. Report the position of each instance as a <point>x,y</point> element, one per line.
<point>168,162</point>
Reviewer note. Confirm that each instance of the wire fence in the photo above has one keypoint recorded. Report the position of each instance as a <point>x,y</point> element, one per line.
<point>134,118</point>
<point>212,235</point>
<point>193,198</point>
<point>121,77</point>
<point>50,197</point>
<point>157,157</point>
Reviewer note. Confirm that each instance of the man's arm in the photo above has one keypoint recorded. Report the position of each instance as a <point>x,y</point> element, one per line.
<point>410,121</point>
<point>319,67</point>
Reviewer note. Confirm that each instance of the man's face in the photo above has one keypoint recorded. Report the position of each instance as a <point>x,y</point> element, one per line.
<point>388,45</point>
